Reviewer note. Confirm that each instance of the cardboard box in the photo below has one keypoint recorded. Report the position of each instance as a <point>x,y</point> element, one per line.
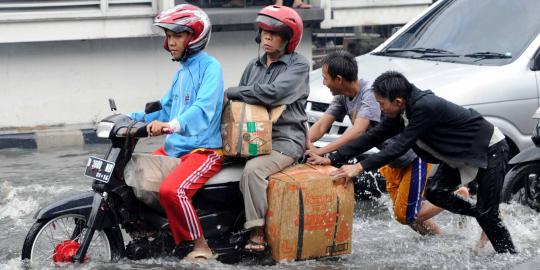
<point>246,129</point>
<point>309,215</point>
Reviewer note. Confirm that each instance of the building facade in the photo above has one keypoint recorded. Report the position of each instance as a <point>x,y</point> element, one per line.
<point>61,60</point>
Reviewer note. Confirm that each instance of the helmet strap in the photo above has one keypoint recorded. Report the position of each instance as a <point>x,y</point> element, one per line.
<point>186,52</point>
<point>258,38</point>
<point>259,52</point>
<point>284,46</point>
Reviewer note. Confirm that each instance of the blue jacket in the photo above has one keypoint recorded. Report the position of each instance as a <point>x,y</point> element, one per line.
<point>192,106</point>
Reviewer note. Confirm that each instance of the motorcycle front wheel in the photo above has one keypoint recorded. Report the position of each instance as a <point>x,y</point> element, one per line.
<point>515,181</point>
<point>62,234</point>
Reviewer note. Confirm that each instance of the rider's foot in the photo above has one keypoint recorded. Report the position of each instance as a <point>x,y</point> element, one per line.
<point>201,251</point>
<point>256,242</point>
<point>253,246</point>
<point>463,192</point>
<point>201,254</point>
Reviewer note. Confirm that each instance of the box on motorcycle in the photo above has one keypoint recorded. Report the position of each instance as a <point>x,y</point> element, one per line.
<point>309,214</point>
<point>246,129</point>
<point>145,172</point>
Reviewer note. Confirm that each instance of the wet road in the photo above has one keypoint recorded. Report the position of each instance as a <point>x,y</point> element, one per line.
<point>30,179</point>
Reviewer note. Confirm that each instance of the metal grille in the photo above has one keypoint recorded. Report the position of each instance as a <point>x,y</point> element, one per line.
<point>41,5</point>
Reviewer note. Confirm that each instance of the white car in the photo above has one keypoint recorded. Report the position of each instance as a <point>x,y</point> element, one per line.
<point>482,54</point>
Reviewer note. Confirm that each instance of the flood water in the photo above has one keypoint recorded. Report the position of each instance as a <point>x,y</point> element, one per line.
<point>30,179</point>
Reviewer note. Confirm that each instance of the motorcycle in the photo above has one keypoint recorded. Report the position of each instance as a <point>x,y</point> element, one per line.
<point>522,181</point>
<point>89,226</point>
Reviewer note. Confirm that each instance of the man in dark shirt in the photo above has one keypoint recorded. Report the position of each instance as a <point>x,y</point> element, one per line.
<point>278,78</point>
<point>465,144</point>
<point>406,177</point>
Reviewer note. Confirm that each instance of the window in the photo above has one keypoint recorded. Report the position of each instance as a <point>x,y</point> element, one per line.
<point>483,32</point>
<point>58,5</point>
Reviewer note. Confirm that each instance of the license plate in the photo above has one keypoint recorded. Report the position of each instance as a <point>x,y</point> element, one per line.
<point>99,169</point>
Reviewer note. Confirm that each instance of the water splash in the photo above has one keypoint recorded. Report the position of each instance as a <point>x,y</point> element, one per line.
<point>13,206</point>
<point>5,192</point>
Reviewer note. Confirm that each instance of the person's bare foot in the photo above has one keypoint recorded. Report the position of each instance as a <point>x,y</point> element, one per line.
<point>427,227</point>
<point>201,250</point>
<point>463,192</point>
<point>256,242</point>
<point>483,240</point>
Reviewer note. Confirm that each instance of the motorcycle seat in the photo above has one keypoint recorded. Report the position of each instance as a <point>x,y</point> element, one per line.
<point>229,173</point>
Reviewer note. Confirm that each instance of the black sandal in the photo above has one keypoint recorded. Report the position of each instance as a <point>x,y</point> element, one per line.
<point>251,243</point>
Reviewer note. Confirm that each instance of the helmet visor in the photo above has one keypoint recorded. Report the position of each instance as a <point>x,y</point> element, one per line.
<point>177,28</point>
<point>273,25</point>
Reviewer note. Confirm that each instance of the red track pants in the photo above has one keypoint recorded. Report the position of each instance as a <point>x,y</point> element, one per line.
<point>177,189</point>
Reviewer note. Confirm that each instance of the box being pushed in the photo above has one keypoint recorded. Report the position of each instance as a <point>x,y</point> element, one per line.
<point>309,215</point>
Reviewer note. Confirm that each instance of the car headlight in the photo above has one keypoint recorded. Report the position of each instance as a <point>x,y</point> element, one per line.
<point>104,129</point>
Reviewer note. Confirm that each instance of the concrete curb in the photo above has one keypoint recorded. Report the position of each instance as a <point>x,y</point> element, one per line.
<point>44,139</point>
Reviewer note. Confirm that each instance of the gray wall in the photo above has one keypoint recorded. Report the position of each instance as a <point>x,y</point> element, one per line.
<point>68,82</point>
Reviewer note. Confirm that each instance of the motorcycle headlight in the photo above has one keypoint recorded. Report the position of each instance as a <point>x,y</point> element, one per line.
<point>104,129</point>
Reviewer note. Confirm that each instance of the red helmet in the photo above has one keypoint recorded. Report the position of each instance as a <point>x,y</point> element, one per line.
<point>187,18</point>
<point>283,20</point>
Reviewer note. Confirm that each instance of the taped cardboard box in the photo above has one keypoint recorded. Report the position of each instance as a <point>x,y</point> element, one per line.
<point>309,215</point>
<point>246,129</point>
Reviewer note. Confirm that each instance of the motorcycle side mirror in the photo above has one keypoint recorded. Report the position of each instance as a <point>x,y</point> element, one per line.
<point>112,104</point>
<point>151,107</point>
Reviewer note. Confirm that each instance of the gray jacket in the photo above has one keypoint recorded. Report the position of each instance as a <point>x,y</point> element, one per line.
<point>284,82</point>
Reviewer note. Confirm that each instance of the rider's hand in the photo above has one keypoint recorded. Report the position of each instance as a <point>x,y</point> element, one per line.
<point>318,160</point>
<point>156,128</point>
<point>313,152</point>
<point>348,171</point>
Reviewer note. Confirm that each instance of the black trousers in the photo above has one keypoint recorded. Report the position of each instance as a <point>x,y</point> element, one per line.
<point>440,191</point>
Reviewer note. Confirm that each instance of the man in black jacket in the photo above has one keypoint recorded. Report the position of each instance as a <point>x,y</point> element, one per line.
<point>466,146</point>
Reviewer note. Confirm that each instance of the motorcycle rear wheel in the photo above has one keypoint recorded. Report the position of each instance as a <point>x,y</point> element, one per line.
<point>42,238</point>
<point>514,184</point>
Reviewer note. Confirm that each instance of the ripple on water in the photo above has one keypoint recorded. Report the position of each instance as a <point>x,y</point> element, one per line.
<point>379,242</point>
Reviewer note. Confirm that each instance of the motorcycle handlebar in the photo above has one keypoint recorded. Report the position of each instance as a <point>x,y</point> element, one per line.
<point>167,130</point>
<point>138,131</point>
